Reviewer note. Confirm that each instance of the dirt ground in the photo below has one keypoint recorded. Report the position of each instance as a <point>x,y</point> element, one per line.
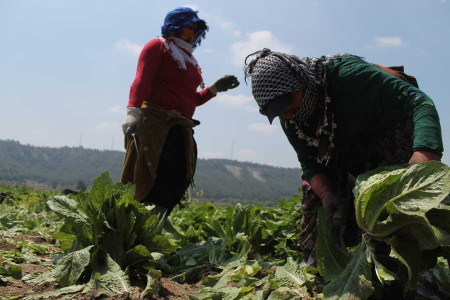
<point>6,246</point>
<point>33,237</point>
<point>18,288</point>
<point>170,290</point>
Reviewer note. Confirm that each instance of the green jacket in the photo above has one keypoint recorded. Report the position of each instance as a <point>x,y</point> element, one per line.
<point>366,101</point>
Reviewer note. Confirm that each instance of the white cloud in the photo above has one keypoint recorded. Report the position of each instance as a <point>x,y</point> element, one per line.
<point>129,47</point>
<point>222,22</point>
<point>117,109</point>
<point>236,33</point>
<point>262,127</point>
<point>389,42</point>
<point>233,100</point>
<point>107,126</point>
<point>444,1</point>
<point>256,41</point>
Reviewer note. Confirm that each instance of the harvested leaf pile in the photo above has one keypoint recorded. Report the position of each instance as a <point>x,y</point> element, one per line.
<point>103,244</point>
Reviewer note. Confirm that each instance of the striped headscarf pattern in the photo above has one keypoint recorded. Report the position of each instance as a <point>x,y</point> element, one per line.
<point>274,74</point>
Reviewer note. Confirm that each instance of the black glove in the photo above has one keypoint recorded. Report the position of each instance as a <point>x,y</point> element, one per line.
<point>225,83</point>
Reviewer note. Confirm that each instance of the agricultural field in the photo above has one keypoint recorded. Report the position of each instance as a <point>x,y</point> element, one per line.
<point>102,244</point>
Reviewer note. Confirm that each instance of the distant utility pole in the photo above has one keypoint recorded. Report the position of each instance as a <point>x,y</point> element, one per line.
<point>112,143</point>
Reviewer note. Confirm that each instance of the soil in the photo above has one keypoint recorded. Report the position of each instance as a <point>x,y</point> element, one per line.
<point>172,290</point>
<point>19,288</point>
<point>7,246</point>
<point>16,288</point>
<point>29,268</point>
<point>33,237</point>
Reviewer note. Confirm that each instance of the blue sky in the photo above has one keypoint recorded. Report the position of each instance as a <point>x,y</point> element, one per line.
<point>66,66</point>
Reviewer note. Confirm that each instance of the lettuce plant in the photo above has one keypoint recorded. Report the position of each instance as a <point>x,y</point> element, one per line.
<point>404,209</point>
<point>106,234</point>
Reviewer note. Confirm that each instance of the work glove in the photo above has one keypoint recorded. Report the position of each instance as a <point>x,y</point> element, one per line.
<point>224,84</point>
<point>422,156</point>
<point>130,125</point>
<point>336,210</point>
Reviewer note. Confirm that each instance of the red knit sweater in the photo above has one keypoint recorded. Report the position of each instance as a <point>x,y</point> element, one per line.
<point>160,80</point>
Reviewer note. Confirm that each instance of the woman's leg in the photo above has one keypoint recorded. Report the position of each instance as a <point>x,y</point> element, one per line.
<point>171,182</point>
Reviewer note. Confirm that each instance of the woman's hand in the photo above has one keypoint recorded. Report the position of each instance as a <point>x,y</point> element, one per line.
<point>131,122</point>
<point>336,210</point>
<point>422,156</point>
<point>224,84</point>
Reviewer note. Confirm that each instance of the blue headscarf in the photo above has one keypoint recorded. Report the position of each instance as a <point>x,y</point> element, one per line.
<point>181,17</point>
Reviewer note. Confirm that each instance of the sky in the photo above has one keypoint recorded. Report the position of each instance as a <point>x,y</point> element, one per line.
<point>66,66</point>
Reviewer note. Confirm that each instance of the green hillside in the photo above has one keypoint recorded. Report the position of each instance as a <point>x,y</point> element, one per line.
<point>217,180</point>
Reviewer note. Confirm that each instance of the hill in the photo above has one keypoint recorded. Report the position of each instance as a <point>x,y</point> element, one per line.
<point>217,180</point>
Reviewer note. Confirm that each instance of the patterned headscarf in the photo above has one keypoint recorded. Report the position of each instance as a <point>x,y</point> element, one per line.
<point>274,74</point>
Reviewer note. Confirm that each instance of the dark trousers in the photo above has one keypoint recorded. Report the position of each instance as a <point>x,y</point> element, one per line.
<point>171,182</point>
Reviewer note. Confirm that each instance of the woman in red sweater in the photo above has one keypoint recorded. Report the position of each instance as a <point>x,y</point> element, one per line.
<point>161,151</point>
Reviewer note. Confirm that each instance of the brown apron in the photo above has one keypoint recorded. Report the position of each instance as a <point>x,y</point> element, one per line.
<point>154,124</point>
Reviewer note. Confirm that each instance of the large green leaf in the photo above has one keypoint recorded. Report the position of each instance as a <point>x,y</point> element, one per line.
<point>124,193</point>
<point>291,275</point>
<point>102,190</point>
<point>138,255</point>
<point>442,275</point>
<point>160,244</point>
<point>439,218</point>
<point>190,273</point>
<point>39,279</point>
<point>355,281</point>
<point>109,279</point>
<point>153,283</point>
<point>97,220</point>
<point>70,267</point>
<point>240,218</point>
<point>285,293</point>
<point>216,250</point>
<point>113,245</point>
<point>384,275</point>
<point>408,252</point>
<point>246,271</point>
<point>417,226</point>
<point>217,227</point>
<point>65,240</point>
<point>67,209</point>
<point>414,191</point>
<point>331,260</point>
<point>13,270</point>
<point>225,293</point>
<point>236,281</point>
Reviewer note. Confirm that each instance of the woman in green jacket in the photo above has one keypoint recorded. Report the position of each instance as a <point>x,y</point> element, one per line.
<point>343,116</point>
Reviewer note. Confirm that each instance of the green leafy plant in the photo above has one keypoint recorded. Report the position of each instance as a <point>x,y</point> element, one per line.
<point>106,233</point>
<point>403,210</point>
